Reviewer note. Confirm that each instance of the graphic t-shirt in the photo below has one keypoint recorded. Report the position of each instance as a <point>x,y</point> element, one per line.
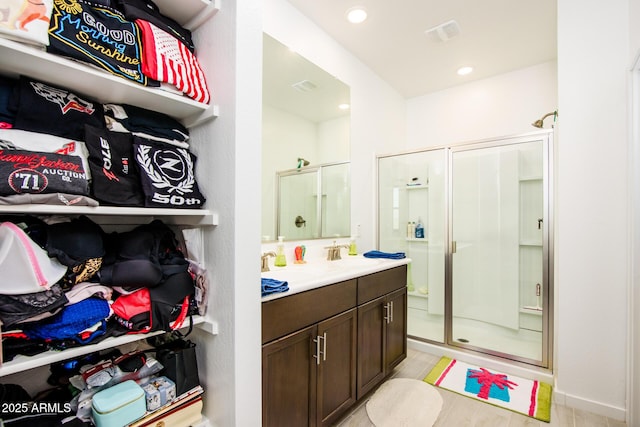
<point>24,172</point>
<point>48,109</point>
<point>168,175</point>
<point>115,173</point>
<point>98,35</point>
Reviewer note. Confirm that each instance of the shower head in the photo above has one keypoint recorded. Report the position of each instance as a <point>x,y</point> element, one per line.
<point>302,162</point>
<point>540,123</point>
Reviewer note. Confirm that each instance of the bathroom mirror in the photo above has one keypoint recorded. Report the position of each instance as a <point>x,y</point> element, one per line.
<point>303,128</point>
<point>314,202</point>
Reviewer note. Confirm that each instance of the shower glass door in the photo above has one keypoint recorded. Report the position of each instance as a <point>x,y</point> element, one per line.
<point>411,189</point>
<point>498,227</point>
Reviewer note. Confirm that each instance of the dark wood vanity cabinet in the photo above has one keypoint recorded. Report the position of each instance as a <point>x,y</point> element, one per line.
<point>317,344</point>
<point>382,327</point>
<point>309,377</point>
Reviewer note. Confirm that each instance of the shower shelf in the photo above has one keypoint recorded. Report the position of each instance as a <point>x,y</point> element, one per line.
<point>417,294</point>
<point>532,311</point>
<point>531,178</point>
<point>530,243</point>
<point>417,187</point>
<point>413,239</point>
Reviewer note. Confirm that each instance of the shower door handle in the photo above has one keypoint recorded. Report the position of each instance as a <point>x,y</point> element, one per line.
<point>454,247</point>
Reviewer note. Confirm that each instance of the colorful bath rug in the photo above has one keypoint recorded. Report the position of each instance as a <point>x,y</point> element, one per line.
<point>528,397</point>
<point>404,402</point>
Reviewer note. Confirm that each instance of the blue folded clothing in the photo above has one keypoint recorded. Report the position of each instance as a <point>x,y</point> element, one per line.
<point>271,286</point>
<point>388,255</point>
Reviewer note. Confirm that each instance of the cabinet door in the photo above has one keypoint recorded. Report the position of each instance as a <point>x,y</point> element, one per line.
<point>336,366</point>
<point>371,344</point>
<point>396,325</point>
<point>289,380</point>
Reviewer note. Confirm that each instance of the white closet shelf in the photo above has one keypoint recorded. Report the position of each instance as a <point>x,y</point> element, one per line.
<point>89,81</point>
<point>22,363</point>
<point>122,215</point>
<point>190,14</point>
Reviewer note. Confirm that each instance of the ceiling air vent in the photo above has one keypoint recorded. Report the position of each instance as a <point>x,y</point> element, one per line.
<point>304,86</point>
<point>444,32</point>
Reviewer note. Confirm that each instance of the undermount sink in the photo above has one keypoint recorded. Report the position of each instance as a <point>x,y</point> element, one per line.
<point>289,274</point>
<point>355,261</point>
<point>320,272</point>
<point>313,269</point>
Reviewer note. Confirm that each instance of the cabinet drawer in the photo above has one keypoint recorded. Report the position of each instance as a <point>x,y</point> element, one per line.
<point>377,284</point>
<point>285,315</point>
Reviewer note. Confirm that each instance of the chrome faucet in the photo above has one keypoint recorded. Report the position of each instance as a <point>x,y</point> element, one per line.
<point>333,252</point>
<point>265,260</point>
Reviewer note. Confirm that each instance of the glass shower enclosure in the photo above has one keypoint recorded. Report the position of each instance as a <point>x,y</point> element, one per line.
<point>479,277</point>
<point>314,202</point>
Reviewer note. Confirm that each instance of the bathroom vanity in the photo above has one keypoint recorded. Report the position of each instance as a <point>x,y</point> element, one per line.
<point>331,339</point>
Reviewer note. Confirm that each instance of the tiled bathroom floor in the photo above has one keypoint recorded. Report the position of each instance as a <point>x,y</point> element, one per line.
<point>460,411</point>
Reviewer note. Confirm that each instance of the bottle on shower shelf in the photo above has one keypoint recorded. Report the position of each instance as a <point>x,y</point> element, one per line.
<point>419,229</point>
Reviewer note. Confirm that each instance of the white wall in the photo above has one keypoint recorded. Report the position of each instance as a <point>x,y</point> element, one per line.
<point>230,46</point>
<point>592,265</point>
<point>634,306</point>
<point>377,111</point>
<point>494,107</point>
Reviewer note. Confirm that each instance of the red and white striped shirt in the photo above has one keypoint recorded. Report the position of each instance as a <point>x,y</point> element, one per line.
<point>167,59</point>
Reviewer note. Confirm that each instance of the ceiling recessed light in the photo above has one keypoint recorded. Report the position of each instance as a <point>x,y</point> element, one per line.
<point>356,15</point>
<point>343,106</point>
<point>463,71</point>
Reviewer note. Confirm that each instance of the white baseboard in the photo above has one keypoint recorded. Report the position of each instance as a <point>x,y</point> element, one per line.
<point>559,397</point>
<point>581,403</point>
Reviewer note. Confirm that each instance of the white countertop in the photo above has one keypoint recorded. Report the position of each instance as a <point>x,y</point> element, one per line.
<point>316,273</point>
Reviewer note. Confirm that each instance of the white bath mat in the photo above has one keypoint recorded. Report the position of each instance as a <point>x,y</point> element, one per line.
<point>404,402</point>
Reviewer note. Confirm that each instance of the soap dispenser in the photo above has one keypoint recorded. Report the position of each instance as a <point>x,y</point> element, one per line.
<point>281,259</point>
<point>353,250</point>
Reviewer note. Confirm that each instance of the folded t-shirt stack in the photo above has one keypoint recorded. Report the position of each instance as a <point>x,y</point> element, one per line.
<point>64,149</point>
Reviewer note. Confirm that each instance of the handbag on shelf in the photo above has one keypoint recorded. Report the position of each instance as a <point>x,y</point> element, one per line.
<point>180,364</point>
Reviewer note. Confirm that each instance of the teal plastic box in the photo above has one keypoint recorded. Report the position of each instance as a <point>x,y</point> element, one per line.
<point>118,405</point>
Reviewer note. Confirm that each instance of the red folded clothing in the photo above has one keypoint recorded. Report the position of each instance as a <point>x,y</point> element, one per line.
<point>166,59</point>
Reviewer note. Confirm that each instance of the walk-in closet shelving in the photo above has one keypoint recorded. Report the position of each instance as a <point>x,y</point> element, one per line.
<point>22,363</point>
<point>20,59</point>
<point>123,215</point>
